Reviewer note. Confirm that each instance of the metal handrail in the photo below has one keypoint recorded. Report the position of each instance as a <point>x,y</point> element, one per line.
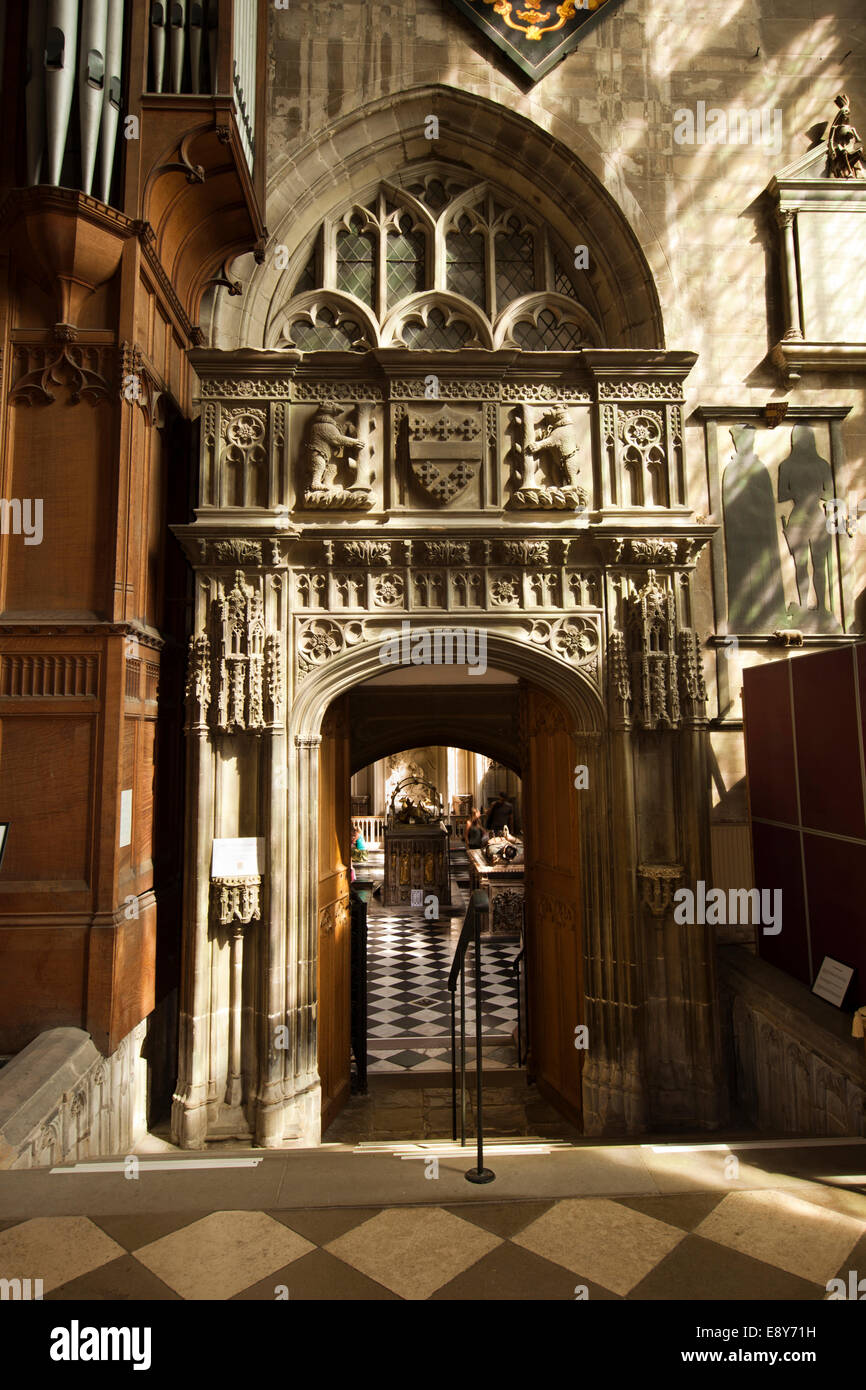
<point>515,970</point>
<point>470,932</point>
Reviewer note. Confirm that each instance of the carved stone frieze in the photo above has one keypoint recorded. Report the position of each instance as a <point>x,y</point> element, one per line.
<point>446,552</point>
<point>546,468</point>
<point>445,451</point>
<point>388,590</point>
<point>234,671</point>
<point>619,677</point>
<point>348,391</point>
<point>365,553</point>
<point>417,388</point>
<point>585,588</point>
<point>245,388</point>
<point>651,636</point>
<point>329,447</point>
<point>641,390</point>
<point>237,899</point>
<point>642,451</point>
<point>237,550</point>
<point>658,883</point>
<point>575,639</point>
<point>554,393</point>
<point>318,639</point>
<point>312,589</point>
<point>526,552</point>
<point>653,552</point>
<point>693,689</point>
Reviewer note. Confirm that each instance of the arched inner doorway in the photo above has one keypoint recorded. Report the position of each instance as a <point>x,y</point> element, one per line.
<point>527,729</point>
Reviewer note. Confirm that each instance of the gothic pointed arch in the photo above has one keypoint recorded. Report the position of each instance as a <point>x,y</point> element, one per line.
<point>544,218</point>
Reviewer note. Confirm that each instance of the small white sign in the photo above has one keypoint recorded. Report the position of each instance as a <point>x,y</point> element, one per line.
<point>416,897</point>
<point>832,981</point>
<point>126,818</point>
<point>239,858</point>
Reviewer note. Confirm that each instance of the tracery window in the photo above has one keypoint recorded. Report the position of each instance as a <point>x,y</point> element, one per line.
<point>435,260</point>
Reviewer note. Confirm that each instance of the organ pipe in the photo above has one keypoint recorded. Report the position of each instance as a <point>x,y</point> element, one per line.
<point>61,37</point>
<point>34,99</point>
<point>157,43</point>
<point>91,83</point>
<point>177,41</point>
<point>111,96</point>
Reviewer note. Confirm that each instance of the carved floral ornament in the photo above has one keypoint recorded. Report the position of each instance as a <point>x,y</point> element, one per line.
<point>237,899</point>
<point>658,883</point>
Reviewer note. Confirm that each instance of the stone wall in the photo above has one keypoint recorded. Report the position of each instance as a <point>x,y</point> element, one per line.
<point>340,75</point>
<point>793,1066</point>
<point>61,1101</point>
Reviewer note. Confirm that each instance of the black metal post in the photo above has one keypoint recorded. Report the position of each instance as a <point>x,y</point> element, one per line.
<point>479,1174</point>
<point>516,968</point>
<point>453,1067</point>
<point>463,1051</point>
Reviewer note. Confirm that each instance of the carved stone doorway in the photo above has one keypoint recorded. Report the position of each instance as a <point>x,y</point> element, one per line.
<point>526,725</point>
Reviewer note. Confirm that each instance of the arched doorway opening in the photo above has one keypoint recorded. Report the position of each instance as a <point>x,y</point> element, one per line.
<point>531,726</point>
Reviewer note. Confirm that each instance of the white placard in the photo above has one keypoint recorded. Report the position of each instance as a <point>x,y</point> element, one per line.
<point>237,858</point>
<point>832,981</point>
<point>126,818</point>
<point>416,897</point>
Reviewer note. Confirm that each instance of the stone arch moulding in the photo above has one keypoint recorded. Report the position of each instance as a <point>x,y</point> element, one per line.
<point>493,142</point>
<point>504,652</point>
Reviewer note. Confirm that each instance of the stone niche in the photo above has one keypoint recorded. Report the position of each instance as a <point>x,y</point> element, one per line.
<point>787,562</point>
<point>820,218</point>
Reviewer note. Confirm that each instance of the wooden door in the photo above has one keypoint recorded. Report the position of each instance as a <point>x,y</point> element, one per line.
<point>333,1014</point>
<point>554,927</point>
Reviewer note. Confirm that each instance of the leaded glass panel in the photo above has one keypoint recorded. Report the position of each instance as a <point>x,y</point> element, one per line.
<point>465,259</point>
<point>356,262</point>
<point>436,333</point>
<point>405,260</point>
<point>515,263</point>
<point>326,335</point>
<point>549,334</point>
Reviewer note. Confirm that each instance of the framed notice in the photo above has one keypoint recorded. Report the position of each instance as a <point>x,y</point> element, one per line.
<point>240,858</point>
<point>833,981</point>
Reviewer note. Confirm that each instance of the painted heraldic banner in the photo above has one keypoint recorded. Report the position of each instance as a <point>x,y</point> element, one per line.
<point>535,36</point>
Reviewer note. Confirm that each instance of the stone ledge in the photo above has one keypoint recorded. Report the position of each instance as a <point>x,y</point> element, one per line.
<point>61,1100</point>
<point>797,1069</point>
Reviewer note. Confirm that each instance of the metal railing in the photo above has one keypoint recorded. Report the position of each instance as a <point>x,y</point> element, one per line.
<point>470,934</point>
<point>517,972</point>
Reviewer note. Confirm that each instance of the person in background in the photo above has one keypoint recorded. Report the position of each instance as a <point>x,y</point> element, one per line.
<point>501,813</point>
<point>473,831</point>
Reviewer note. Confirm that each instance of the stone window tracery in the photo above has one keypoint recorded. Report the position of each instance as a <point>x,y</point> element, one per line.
<point>434,260</point>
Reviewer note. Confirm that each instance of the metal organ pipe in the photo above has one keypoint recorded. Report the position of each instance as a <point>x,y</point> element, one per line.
<point>35,91</point>
<point>157,42</point>
<point>111,96</point>
<point>212,39</point>
<point>91,83</point>
<point>60,45</point>
<point>177,41</point>
<point>196,24</point>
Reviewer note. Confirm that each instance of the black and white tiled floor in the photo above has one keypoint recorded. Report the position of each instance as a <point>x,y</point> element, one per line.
<point>408,1003</point>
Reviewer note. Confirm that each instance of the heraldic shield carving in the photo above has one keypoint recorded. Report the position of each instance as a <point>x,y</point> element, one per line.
<point>534,35</point>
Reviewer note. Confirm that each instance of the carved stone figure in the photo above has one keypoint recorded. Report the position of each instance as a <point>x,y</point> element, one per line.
<point>807,480</point>
<point>559,444</point>
<point>325,446</point>
<point>845,157</point>
<point>756,597</point>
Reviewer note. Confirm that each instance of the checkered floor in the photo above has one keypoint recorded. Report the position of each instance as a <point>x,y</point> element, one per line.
<point>408,961</point>
<point>752,1245</point>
